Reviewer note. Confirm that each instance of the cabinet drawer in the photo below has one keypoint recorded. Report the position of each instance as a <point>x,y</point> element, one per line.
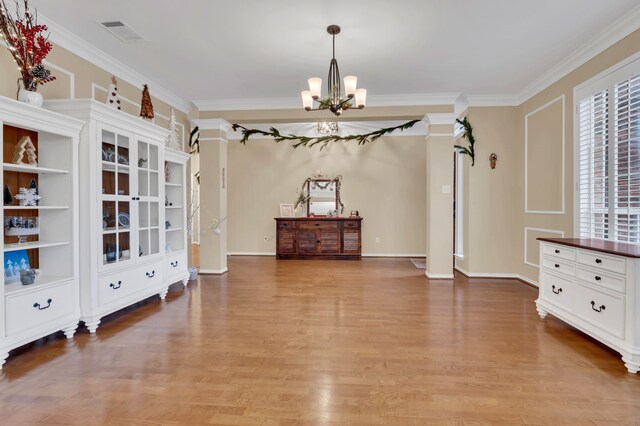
<point>351,224</point>
<point>175,263</point>
<point>601,278</point>
<point>286,224</point>
<point>557,290</point>
<point>603,309</point>
<point>557,265</point>
<point>38,308</point>
<point>126,282</point>
<point>561,252</point>
<point>318,224</point>
<point>603,261</point>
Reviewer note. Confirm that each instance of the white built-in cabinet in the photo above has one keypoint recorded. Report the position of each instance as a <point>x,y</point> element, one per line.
<point>124,222</point>
<point>51,303</point>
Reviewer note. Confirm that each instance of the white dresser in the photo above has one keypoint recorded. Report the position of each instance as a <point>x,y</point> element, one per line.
<point>593,285</point>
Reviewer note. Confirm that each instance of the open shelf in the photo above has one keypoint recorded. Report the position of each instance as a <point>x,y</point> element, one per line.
<point>34,245</point>
<point>174,185</point>
<point>25,168</point>
<point>35,207</point>
<point>41,281</point>
<point>172,207</point>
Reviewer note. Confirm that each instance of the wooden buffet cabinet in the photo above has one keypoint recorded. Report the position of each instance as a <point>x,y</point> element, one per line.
<point>319,238</point>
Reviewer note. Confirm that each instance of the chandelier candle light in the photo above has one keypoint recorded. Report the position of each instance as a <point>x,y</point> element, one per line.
<point>334,101</point>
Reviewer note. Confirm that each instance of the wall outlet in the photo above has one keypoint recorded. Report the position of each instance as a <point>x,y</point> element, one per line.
<point>378,240</point>
<point>446,189</point>
<point>266,238</point>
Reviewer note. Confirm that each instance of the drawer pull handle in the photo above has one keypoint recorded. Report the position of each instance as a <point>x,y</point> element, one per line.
<point>553,289</point>
<point>598,260</point>
<point>557,251</point>
<point>41,308</point>
<point>556,265</point>
<point>174,264</point>
<point>113,286</point>
<point>598,278</point>
<point>151,275</point>
<point>318,241</point>
<point>600,309</point>
<point>317,224</point>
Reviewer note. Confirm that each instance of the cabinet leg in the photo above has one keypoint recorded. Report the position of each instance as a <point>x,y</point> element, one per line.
<point>3,358</point>
<point>163,294</point>
<point>92,325</point>
<point>541,311</point>
<point>70,331</point>
<point>632,362</point>
<point>185,282</point>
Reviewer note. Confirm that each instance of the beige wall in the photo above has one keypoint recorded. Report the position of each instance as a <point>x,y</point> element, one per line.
<point>384,181</point>
<point>75,78</point>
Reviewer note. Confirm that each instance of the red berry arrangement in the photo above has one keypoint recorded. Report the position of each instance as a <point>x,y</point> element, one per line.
<point>28,45</point>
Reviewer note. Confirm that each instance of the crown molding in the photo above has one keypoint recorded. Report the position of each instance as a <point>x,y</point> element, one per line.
<point>435,119</point>
<point>310,129</point>
<point>212,124</point>
<point>66,39</point>
<point>295,103</point>
<point>493,100</point>
<point>607,38</point>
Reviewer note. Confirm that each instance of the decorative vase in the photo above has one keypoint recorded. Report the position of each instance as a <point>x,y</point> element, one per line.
<point>29,97</point>
<point>27,276</point>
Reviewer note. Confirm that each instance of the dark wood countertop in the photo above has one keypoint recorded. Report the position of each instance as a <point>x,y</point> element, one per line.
<point>604,246</point>
<point>318,218</point>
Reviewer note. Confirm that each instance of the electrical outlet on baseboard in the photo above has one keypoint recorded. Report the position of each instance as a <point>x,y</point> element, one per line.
<point>377,240</point>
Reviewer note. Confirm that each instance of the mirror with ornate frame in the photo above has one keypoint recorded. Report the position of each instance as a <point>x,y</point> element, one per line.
<point>324,197</point>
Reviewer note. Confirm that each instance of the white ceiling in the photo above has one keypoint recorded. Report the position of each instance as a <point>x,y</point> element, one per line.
<point>258,49</point>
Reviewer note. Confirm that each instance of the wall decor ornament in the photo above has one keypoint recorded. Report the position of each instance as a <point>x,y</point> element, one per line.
<point>29,47</point>
<point>25,145</point>
<point>173,140</point>
<point>28,197</point>
<point>146,106</point>
<point>468,133</point>
<point>322,182</point>
<point>323,141</point>
<point>113,98</point>
<point>493,160</point>
<point>194,140</point>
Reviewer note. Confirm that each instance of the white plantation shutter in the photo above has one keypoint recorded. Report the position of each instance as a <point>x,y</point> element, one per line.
<point>627,160</point>
<point>594,182</point>
<point>608,128</point>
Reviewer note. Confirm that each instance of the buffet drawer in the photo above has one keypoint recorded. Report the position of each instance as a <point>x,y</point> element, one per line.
<point>175,263</point>
<point>286,224</point>
<point>603,261</point>
<point>558,291</point>
<point>318,224</point>
<point>600,278</point>
<point>126,282</point>
<point>561,252</point>
<point>602,309</point>
<point>557,265</point>
<point>351,224</point>
<point>38,308</point>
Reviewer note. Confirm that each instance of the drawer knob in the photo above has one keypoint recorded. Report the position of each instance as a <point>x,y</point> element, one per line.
<point>318,241</point>
<point>113,286</point>
<point>42,308</point>
<point>598,260</point>
<point>600,309</point>
<point>151,274</point>
<point>553,289</point>
<point>556,265</point>
<point>557,251</point>
<point>598,278</point>
<point>317,224</point>
<point>174,264</point>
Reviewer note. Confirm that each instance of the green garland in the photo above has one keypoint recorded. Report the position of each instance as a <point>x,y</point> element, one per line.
<point>310,142</point>
<point>468,133</point>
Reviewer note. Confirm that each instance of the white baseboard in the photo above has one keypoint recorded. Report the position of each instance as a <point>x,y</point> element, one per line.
<point>213,271</point>
<point>393,255</point>
<point>438,276</point>
<point>495,275</point>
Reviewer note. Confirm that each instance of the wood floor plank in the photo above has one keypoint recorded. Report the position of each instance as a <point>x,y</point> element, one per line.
<point>324,343</point>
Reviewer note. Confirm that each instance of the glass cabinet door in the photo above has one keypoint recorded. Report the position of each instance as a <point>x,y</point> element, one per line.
<point>149,199</point>
<point>115,197</point>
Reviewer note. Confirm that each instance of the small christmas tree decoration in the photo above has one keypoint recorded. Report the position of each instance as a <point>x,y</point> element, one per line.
<point>34,185</point>
<point>173,141</point>
<point>8,197</point>
<point>113,98</point>
<point>146,107</point>
<point>25,145</point>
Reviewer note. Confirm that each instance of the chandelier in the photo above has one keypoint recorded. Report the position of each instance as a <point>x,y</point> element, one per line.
<point>334,101</point>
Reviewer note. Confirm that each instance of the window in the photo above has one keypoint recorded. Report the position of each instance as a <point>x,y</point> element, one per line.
<point>608,138</point>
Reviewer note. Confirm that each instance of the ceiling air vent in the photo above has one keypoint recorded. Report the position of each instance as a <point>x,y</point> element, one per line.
<point>122,31</point>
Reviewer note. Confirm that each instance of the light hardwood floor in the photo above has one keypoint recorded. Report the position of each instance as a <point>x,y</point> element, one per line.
<point>340,343</point>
